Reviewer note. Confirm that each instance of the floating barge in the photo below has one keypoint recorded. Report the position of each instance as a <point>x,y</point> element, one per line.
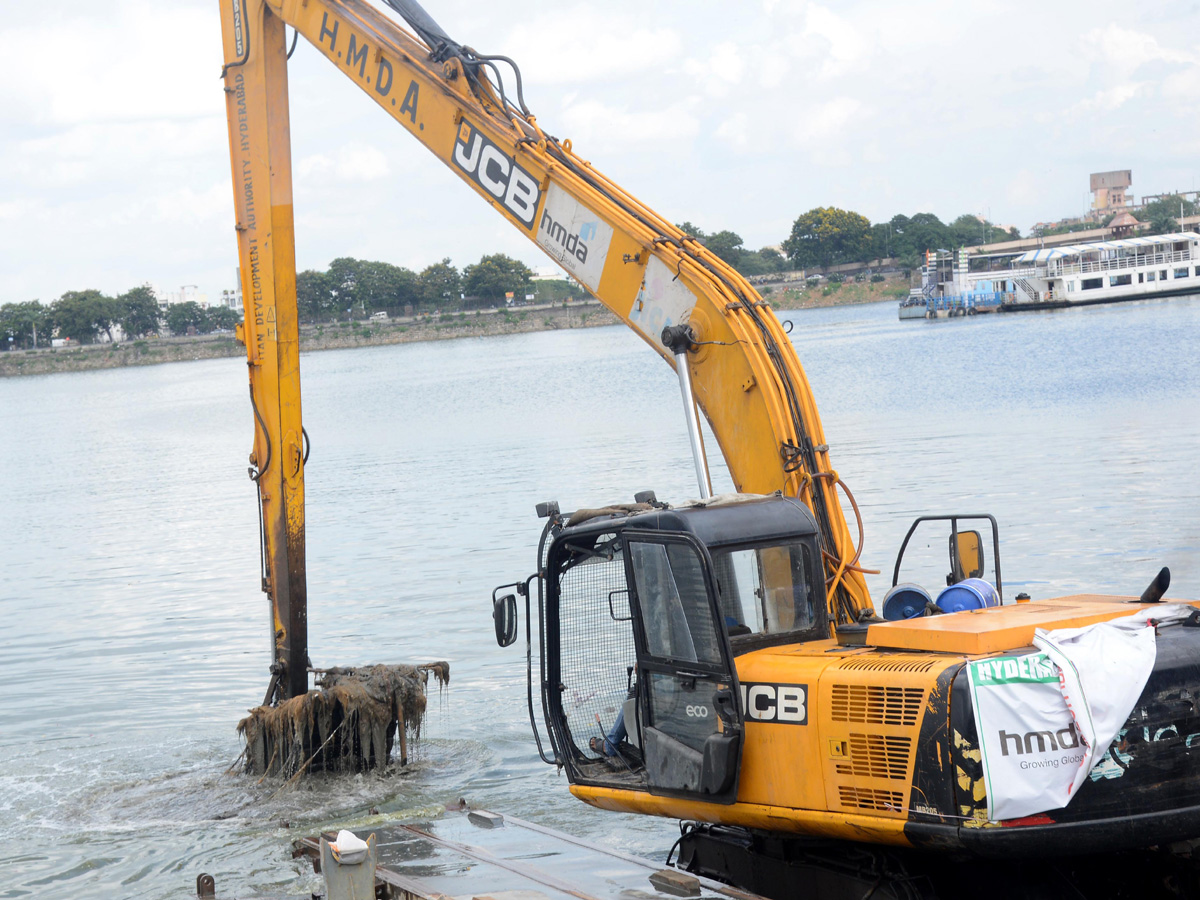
<point>480,855</point>
<point>475,853</point>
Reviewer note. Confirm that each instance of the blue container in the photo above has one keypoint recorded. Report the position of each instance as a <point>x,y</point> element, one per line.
<point>970,593</point>
<point>905,601</point>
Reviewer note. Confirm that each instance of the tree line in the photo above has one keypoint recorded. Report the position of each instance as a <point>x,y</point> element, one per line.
<point>829,236</point>
<point>823,236</point>
<point>1160,215</point>
<point>351,287</point>
<point>87,316</point>
<point>348,287</point>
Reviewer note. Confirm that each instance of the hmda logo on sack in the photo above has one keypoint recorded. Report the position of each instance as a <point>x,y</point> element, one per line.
<point>498,174</point>
<point>1047,741</point>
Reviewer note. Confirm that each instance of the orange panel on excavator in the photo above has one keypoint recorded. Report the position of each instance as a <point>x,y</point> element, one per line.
<point>1000,628</point>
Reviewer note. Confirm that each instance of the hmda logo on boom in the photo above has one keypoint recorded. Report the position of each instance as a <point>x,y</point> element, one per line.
<point>575,236</point>
<point>498,174</point>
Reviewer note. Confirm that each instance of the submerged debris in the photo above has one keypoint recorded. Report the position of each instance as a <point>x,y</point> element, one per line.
<point>347,724</point>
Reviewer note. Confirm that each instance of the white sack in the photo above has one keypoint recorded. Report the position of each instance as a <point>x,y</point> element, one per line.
<point>1046,719</point>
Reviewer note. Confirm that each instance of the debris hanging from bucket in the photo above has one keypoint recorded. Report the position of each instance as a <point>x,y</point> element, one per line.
<point>347,724</point>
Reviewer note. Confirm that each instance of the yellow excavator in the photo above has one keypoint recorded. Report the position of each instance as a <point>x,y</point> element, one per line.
<point>716,661</point>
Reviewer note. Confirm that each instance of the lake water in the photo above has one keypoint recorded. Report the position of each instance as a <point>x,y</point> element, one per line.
<point>134,635</point>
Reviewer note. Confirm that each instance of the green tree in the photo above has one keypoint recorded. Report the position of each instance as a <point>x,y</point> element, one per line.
<point>344,273</point>
<point>223,317</point>
<point>725,244</point>
<point>439,284</point>
<point>773,260</point>
<point>1161,213</point>
<point>381,285</point>
<point>827,236</point>
<point>314,296</point>
<point>927,232</point>
<point>182,315</point>
<point>728,246</point>
<point>82,315</point>
<point>29,324</point>
<point>138,312</point>
<point>971,231</point>
<point>493,276</point>
<point>882,240</point>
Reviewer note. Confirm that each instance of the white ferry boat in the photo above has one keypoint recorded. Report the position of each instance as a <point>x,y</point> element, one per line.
<point>1100,272</point>
<point>1135,268</point>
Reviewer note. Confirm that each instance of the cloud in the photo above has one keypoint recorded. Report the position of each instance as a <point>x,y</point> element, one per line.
<point>1124,50</point>
<point>351,162</point>
<point>587,45</point>
<point>592,124</point>
<point>722,71</point>
<point>1108,100</point>
<point>97,154</point>
<point>735,131</point>
<point>142,61</point>
<point>12,210</point>
<point>112,117</point>
<point>845,41</point>
<point>826,121</point>
<point>1023,188</point>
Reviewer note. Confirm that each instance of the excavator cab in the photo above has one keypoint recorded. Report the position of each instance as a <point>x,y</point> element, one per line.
<point>643,610</point>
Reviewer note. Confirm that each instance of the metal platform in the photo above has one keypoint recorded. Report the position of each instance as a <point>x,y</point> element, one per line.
<point>477,854</point>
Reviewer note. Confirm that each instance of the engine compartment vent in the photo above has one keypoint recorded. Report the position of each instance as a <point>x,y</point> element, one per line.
<point>875,704</point>
<point>876,756</point>
<point>911,664</point>
<point>868,798</point>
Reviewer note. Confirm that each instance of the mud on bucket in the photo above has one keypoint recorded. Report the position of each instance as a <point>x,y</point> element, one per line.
<point>905,601</point>
<point>970,593</point>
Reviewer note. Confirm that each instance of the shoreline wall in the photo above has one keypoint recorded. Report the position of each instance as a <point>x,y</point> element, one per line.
<point>343,335</point>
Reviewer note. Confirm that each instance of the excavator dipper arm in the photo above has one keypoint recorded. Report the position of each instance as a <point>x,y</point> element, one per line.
<point>744,370</point>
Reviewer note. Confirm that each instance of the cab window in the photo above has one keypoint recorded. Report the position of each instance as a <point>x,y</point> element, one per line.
<point>767,590</point>
<point>673,599</point>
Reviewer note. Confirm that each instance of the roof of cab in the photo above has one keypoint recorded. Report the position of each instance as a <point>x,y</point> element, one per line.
<point>738,520</point>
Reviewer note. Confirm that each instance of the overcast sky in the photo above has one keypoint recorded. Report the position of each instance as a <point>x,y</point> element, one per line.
<point>114,166</point>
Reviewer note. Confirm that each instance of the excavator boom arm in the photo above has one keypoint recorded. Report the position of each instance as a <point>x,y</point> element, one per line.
<point>744,370</point>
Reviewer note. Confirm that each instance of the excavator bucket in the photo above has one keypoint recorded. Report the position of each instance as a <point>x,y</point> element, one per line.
<point>349,723</point>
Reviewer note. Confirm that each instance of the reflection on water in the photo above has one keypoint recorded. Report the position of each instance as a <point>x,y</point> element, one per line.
<point>135,635</point>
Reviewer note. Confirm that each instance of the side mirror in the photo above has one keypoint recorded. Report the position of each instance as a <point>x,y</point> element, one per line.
<point>966,556</point>
<point>504,617</point>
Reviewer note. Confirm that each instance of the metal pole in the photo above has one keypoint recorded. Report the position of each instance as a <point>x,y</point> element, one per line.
<point>678,339</point>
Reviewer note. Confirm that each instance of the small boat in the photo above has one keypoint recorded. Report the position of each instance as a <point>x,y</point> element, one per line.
<point>913,306</point>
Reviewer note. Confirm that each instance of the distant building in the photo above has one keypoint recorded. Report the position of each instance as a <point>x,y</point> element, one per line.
<point>186,293</point>
<point>1108,191</point>
<point>233,298</point>
<point>1123,225</point>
